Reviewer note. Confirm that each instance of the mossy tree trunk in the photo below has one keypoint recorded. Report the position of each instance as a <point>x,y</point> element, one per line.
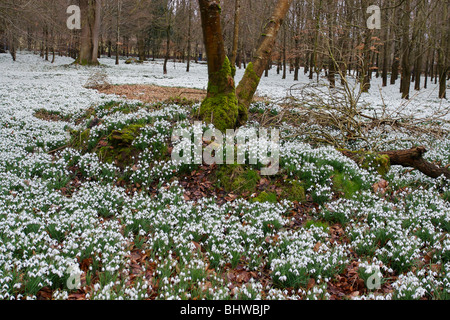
<point>220,105</point>
<point>90,29</point>
<point>411,158</point>
<point>225,105</point>
<point>250,81</point>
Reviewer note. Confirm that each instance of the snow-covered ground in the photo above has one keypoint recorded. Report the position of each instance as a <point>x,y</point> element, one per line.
<point>60,85</point>
<point>43,233</point>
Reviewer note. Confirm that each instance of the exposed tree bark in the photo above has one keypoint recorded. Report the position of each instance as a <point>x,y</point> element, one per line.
<point>12,45</point>
<point>284,54</point>
<point>406,52</point>
<point>250,81</point>
<point>119,9</point>
<point>141,46</point>
<point>90,13</point>
<point>234,51</point>
<point>226,106</point>
<point>189,40</point>
<point>220,106</point>
<point>387,42</point>
<point>443,53</point>
<point>412,158</point>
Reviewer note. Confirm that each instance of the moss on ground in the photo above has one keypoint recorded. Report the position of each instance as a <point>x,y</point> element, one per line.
<point>317,223</point>
<point>237,178</point>
<point>265,197</point>
<point>79,139</point>
<point>294,191</point>
<point>345,186</point>
<point>120,149</point>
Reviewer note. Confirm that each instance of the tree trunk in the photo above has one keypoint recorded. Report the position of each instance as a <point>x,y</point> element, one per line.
<point>406,51</point>
<point>443,53</point>
<point>250,81</point>
<point>189,40</point>
<point>226,106</point>
<point>90,13</point>
<point>365,79</point>
<point>167,56</point>
<point>407,158</point>
<point>237,11</point>
<point>141,46</point>
<point>119,8</point>
<point>220,106</point>
<point>12,45</point>
<point>418,70</point>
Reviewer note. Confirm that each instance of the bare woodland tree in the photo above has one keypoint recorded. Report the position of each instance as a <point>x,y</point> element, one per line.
<point>321,36</point>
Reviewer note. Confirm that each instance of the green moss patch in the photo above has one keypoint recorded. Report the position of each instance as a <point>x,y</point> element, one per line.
<point>318,224</point>
<point>237,178</point>
<point>294,191</point>
<point>343,185</point>
<point>119,149</point>
<point>265,197</point>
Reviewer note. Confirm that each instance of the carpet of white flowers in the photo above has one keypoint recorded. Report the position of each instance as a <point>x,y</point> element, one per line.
<point>159,245</point>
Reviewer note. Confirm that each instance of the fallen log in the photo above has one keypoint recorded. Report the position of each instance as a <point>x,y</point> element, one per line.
<point>406,158</point>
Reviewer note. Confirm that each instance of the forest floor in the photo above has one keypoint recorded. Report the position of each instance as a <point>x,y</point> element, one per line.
<point>90,195</point>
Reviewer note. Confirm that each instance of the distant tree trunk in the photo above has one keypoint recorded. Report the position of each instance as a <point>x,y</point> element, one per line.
<point>12,44</point>
<point>331,50</point>
<point>46,42</point>
<point>189,40</point>
<point>141,46</point>
<point>314,65</point>
<point>406,51</point>
<point>418,70</point>
<point>386,47</point>
<point>427,67</point>
<point>119,8</point>
<point>365,79</point>
<point>284,53</point>
<point>443,54</point>
<point>167,55</point>
<point>234,51</point>
<point>90,13</point>
<point>395,66</point>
